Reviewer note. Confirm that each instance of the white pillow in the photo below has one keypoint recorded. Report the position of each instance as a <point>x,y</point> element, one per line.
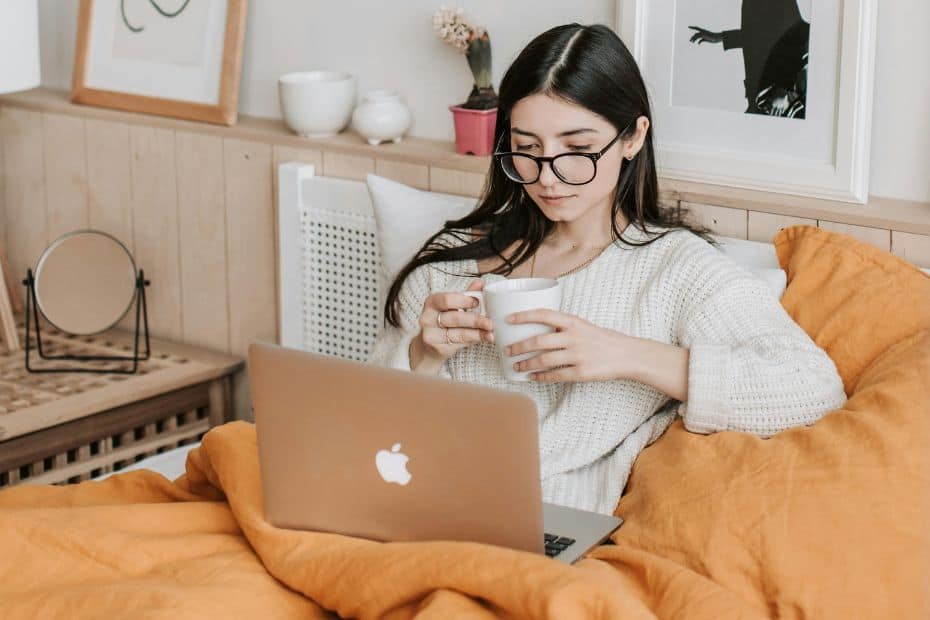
<point>759,258</point>
<point>406,217</point>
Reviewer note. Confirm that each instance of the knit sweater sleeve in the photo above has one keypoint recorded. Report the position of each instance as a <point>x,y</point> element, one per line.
<point>392,345</point>
<point>391,348</point>
<point>751,367</point>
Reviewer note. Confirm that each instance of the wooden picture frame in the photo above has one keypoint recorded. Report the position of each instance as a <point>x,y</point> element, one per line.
<point>9,339</point>
<point>223,111</point>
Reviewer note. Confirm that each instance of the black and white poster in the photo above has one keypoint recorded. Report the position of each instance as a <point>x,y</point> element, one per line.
<point>742,55</point>
<point>762,94</point>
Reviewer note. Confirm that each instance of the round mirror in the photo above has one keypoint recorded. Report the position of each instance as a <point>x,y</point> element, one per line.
<point>85,282</point>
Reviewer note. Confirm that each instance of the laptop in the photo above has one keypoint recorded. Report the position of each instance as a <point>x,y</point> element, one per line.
<point>357,449</point>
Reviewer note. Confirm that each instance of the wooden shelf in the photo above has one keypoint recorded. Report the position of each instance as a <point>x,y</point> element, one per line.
<point>272,131</point>
<point>885,213</point>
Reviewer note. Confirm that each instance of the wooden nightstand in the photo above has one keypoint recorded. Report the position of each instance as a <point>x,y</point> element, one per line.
<point>68,427</point>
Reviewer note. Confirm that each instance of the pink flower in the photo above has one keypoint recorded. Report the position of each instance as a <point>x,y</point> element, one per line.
<point>450,26</point>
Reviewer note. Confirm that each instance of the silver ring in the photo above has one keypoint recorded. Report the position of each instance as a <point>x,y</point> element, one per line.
<point>439,320</point>
<point>445,333</point>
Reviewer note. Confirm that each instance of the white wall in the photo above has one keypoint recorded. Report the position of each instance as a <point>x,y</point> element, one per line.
<point>391,45</point>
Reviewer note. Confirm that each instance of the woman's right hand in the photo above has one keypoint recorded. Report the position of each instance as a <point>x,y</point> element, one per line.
<point>445,329</point>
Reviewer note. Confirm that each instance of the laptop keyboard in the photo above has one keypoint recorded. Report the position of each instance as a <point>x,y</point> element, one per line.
<point>557,544</point>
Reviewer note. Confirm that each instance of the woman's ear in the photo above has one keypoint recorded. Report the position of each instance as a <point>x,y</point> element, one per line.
<point>632,147</point>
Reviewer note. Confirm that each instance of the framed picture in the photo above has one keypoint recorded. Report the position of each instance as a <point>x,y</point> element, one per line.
<point>772,95</point>
<point>168,57</point>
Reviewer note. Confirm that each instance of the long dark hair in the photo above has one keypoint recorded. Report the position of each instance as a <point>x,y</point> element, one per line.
<point>589,66</point>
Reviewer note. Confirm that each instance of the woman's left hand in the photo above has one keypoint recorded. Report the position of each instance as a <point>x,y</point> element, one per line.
<point>576,351</point>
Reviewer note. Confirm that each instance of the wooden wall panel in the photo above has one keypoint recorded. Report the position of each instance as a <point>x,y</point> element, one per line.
<point>109,179</point>
<point>155,225</point>
<point>915,248</point>
<point>415,175</point>
<point>251,255</point>
<point>721,220</point>
<point>26,220</point>
<point>875,236</point>
<point>65,174</point>
<point>202,240</point>
<point>764,226</point>
<point>347,166</point>
<point>457,182</point>
<point>250,244</point>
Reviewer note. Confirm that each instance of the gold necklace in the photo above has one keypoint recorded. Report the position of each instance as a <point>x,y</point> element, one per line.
<point>573,269</point>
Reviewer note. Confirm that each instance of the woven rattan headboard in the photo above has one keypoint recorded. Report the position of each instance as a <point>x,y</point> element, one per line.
<point>330,285</point>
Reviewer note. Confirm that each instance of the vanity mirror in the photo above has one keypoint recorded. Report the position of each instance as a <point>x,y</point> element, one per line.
<point>84,283</point>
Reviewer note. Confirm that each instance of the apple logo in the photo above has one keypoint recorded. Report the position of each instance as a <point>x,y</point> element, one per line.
<point>393,465</point>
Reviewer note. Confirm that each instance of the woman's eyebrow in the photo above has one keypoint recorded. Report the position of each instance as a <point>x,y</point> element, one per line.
<point>570,132</point>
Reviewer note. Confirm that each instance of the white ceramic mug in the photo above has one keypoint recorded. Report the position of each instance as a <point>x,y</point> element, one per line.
<point>500,299</point>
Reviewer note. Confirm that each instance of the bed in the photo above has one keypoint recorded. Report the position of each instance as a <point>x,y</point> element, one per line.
<point>825,521</point>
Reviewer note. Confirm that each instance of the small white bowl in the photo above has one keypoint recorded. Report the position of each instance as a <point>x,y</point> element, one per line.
<point>317,103</point>
<point>382,116</point>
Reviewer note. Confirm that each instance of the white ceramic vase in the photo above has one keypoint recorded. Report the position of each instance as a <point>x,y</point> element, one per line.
<point>317,103</point>
<point>382,117</point>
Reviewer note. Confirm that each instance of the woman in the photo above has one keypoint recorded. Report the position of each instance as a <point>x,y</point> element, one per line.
<point>654,320</point>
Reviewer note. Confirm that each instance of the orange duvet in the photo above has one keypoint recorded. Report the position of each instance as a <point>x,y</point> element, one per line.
<point>826,521</point>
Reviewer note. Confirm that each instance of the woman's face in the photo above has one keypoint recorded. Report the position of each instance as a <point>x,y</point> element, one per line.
<point>545,126</point>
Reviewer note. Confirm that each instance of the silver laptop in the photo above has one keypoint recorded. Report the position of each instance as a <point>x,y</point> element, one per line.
<point>367,451</point>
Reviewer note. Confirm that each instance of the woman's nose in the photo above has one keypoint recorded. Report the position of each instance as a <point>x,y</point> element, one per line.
<point>547,177</point>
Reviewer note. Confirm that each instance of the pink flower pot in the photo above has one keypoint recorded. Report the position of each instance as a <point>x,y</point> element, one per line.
<point>474,130</point>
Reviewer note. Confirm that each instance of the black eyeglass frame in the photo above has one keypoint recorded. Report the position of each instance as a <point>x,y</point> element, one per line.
<point>594,157</point>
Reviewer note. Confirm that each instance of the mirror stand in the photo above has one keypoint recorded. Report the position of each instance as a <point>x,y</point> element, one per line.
<point>32,316</point>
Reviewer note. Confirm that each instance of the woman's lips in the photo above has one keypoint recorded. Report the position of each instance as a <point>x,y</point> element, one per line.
<point>553,199</point>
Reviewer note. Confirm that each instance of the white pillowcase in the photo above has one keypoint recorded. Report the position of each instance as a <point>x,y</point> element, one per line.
<point>757,257</point>
<point>406,217</point>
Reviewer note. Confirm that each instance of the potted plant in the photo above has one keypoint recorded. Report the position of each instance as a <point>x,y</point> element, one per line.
<point>474,119</point>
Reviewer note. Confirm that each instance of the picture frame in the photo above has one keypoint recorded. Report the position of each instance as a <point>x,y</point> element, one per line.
<point>728,118</point>
<point>9,338</point>
<point>121,60</point>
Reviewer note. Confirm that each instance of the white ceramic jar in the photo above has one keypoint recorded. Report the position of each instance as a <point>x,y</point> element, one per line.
<point>381,117</point>
<point>317,103</point>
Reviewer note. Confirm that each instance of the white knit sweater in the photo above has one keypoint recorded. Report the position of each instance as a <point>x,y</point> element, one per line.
<point>751,367</point>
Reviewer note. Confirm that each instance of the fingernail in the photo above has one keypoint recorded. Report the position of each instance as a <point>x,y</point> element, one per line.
<point>511,318</point>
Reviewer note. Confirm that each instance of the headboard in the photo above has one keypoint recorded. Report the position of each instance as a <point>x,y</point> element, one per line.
<point>329,282</point>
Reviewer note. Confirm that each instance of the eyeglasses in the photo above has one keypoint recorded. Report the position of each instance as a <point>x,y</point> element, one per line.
<point>570,168</point>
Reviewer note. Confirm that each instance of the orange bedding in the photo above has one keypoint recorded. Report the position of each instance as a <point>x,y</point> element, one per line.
<point>826,521</point>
